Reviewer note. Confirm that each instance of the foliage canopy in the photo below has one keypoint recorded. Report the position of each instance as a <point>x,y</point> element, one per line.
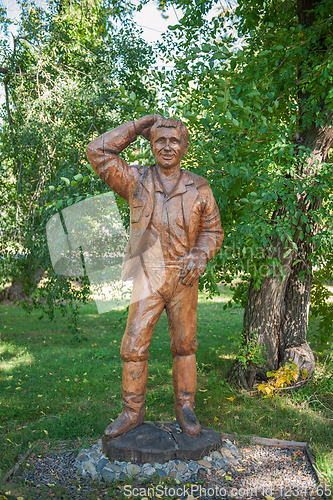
<point>255,84</point>
<point>64,75</point>
<point>253,81</point>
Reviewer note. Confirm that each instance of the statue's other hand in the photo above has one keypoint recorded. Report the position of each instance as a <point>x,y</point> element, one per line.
<point>194,264</point>
<point>144,124</point>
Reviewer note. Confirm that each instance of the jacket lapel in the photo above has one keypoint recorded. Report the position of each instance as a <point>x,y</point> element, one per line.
<point>147,181</point>
<point>188,199</point>
<point>144,202</point>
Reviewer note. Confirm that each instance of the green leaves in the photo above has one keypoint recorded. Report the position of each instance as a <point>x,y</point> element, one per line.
<point>205,103</point>
<point>207,47</point>
<point>247,136</point>
<point>288,252</point>
<point>71,61</point>
<point>89,167</point>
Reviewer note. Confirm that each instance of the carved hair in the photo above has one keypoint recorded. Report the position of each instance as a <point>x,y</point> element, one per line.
<point>170,123</point>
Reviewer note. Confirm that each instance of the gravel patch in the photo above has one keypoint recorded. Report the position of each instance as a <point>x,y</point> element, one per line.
<point>265,472</point>
<point>55,469</point>
<point>258,472</point>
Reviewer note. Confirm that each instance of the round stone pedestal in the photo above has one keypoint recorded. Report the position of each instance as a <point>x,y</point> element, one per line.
<point>160,442</point>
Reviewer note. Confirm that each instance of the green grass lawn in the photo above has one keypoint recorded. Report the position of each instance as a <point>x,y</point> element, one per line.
<point>54,389</point>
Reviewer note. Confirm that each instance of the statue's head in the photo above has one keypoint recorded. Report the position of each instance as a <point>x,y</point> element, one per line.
<point>168,141</point>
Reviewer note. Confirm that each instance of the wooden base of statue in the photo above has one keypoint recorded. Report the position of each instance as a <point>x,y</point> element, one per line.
<point>159,442</point>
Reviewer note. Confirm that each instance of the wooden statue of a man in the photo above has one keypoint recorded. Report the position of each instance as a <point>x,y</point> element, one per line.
<point>178,207</point>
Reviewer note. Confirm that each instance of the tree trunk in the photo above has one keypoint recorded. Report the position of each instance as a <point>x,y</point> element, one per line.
<point>278,312</point>
<point>13,292</point>
<point>295,311</point>
<point>277,316</point>
<point>16,291</point>
<point>262,320</point>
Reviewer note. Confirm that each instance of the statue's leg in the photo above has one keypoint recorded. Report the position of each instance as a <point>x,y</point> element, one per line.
<point>184,372</point>
<point>135,376</point>
<point>182,317</point>
<point>142,318</point>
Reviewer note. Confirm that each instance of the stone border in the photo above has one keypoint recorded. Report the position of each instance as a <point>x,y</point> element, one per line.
<point>94,463</point>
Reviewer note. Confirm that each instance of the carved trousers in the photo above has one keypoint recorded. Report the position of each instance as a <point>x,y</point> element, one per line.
<point>180,303</point>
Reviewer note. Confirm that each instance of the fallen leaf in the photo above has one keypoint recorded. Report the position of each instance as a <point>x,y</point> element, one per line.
<point>231,399</point>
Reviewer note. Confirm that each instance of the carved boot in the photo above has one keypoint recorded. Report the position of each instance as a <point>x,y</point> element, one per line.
<point>135,376</point>
<point>184,372</point>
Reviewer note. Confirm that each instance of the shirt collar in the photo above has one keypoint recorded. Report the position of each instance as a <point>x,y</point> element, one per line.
<point>180,188</point>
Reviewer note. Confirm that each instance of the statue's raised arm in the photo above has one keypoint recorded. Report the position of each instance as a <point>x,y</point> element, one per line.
<point>103,152</point>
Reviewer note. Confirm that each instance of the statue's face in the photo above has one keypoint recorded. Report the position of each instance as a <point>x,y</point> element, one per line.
<point>168,147</point>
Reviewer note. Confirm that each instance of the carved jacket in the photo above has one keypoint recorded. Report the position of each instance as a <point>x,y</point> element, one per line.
<point>135,184</point>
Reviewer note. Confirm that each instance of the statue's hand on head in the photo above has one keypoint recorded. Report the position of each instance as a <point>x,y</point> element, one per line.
<point>144,124</point>
<point>194,264</point>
